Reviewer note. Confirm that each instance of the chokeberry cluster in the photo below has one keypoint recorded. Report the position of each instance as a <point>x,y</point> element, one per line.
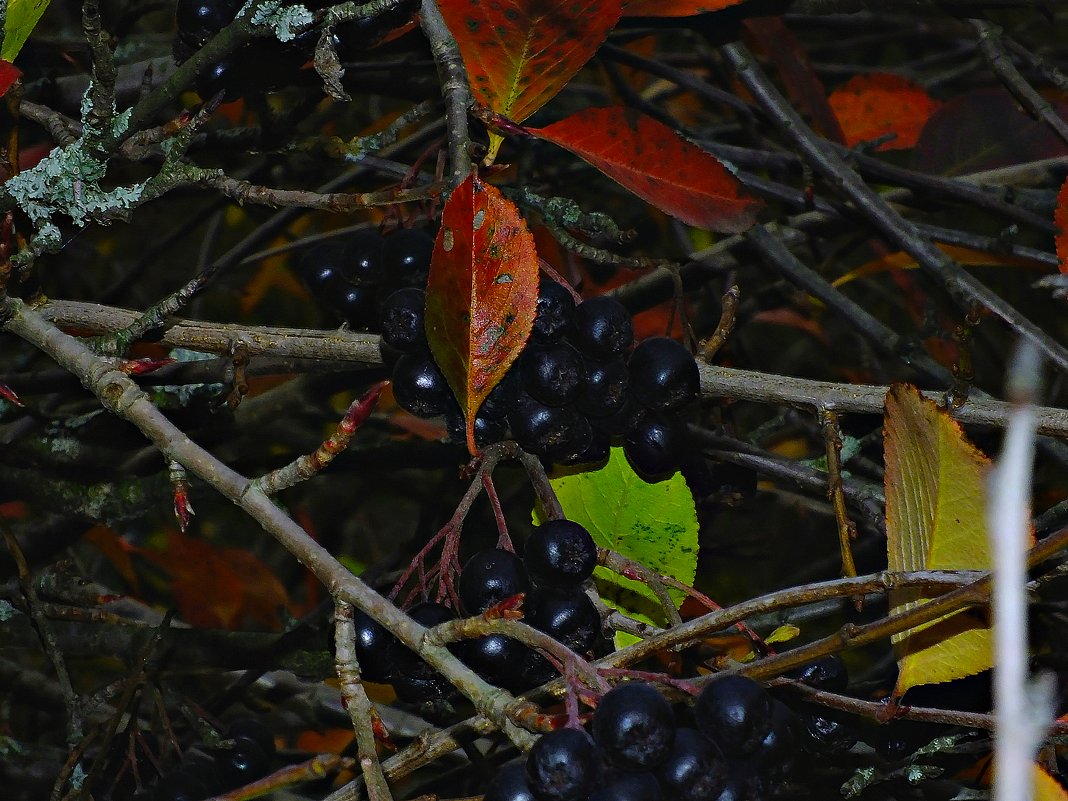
<point>357,280</point>
<point>560,557</point>
<point>576,388</point>
<point>740,744</point>
<point>267,63</point>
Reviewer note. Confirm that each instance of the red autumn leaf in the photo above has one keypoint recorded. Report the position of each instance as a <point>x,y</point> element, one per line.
<point>9,73</point>
<point>1060,219</point>
<point>871,106</point>
<point>657,165</point>
<point>519,54</point>
<point>674,8</point>
<point>481,294</point>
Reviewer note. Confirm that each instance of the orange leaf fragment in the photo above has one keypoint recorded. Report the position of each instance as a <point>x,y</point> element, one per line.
<point>518,54</point>
<point>1060,219</point>
<point>657,165</point>
<point>482,293</point>
<point>871,106</point>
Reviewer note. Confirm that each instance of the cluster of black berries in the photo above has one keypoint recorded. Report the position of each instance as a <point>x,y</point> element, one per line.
<point>267,63</point>
<point>560,557</point>
<point>244,755</point>
<point>577,387</point>
<point>357,279</point>
<point>736,744</point>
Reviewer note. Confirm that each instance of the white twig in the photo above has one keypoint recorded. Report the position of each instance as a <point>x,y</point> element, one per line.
<point>1022,709</point>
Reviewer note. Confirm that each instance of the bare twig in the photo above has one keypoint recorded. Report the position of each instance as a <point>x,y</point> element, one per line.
<point>847,531</point>
<point>710,347</point>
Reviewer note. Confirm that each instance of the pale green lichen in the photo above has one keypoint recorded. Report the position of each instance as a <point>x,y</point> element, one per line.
<point>285,21</point>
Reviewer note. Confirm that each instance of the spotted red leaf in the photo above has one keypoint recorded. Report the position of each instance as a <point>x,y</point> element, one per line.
<point>519,53</point>
<point>674,8</point>
<point>9,73</point>
<point>1060,219</point>
<point>657,165</point>
<point>481,294</point>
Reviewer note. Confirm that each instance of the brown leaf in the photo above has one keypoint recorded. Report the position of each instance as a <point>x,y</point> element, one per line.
<point>657,165</point>
<point>481,294</point>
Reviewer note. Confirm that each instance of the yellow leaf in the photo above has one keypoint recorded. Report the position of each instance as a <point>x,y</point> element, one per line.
<point>935,520</point>
<point>782,634</point>
<point>1047,788</point>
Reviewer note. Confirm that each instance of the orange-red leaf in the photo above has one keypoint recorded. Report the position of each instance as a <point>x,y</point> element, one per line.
<point>657,165</point>
<point>871,106</point>
<point>674,8</point>
<point>9,73</point>
<point>482,293</point>
<point>519,54</point>
<point>1060,219</point>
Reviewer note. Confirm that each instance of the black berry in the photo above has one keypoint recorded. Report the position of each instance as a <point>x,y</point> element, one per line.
<point>826,734</point>
<point>556,307</point>
<point>420,387</point>
<point>489,577</point>
<point>656,444</point>
<point>694,769</point>
<point>363,257</point>
<point>320,269</point>
<point>826,673</point>
<point>568,616</point>
<point>413,679</point>
<point>355,305</point>
<point>602,328</point>
<point>374,648</point>
<point>563,766</point>
<point>406,257</point>
<point>548,430</point>
<point>240,763</point>
<point>552,374</point>
<point>510,783</point>
<point>605,389</point>
<point>560,553</point>
<point>735,712</point>
<point>402,320</point>
<point>663,374</point>
<point>634,726</point>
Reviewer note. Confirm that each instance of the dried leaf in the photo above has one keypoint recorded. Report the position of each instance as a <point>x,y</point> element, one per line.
<point>657,165</point>
<point>518,55</point>
<point>1060,219</point>
<point>482,293</point>
<point>935,520</point>
<point>674,8</point>
<point>9,73</point>
<point>871,106</point>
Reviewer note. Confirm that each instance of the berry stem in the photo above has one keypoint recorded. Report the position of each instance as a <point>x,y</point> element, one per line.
<point>503,540</point>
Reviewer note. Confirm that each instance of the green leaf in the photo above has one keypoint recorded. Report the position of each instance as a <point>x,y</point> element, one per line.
<point>655,524</point>
<point>22,17</point>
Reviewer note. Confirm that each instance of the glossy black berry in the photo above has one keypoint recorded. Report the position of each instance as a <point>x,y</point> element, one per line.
<point>199,20</point>
<point>605,389</point>
<point>489,577</point>
<point>556,307</point>
<point>629,787</point>
<point>826,673</point>
<point>374,648</point>
<point>563,765</point>
<point>552,374</point>
<point>402,320</point>
<point>778,750</point>
<point>420,387</point>
<point>510,783</point>
<point>355,305</point>
<point>634,726</point>
<point>502,398</point>
<point>656,444</point>
<point>598,451</point>
<point>363,257</point>
<point>547,430</point>
<point>487,430</point>
<point>694,770</point>
<point>240,763</point>
<point>602,328</point>
<point>619,422</point>
<point>406,257</point>
<point>499,660</point>
<point>413,679</point>
<point>663,374</point>
<point>735,712</point>
<point>320,269</point>
<point>252,729</point>
<point>825,734</point>
<point>568,616</point>
<point>560,553</point>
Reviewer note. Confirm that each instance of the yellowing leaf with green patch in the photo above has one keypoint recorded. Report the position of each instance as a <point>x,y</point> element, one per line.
<point>22,18</point>
<point>655,524</point>
<point>519,54</point>
<point>935,520</point>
